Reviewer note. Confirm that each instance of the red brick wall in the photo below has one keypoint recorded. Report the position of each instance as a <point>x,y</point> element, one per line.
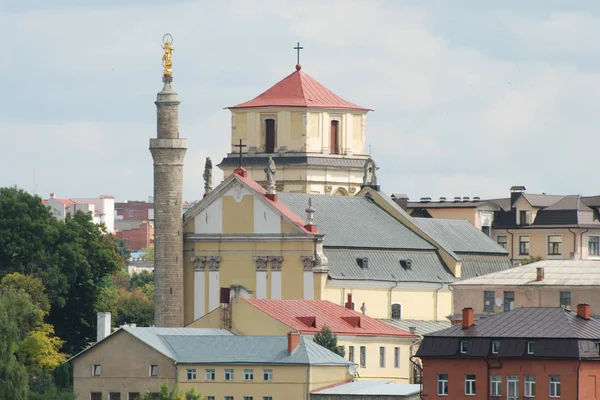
<point>457,369</point>
<point>139,208</point>
<point>138,238</point>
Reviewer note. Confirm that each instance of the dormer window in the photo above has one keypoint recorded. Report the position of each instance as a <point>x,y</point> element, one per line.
<point>523,217</point>
<point>270,135</point>
<point>464,346</point>
<point>334,137</point>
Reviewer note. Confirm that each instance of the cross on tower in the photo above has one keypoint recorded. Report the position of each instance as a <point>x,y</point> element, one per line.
<point>240,146</point>
<point>298,48</point>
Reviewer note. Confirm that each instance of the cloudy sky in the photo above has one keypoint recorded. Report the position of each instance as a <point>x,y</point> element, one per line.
<point>469,97</point>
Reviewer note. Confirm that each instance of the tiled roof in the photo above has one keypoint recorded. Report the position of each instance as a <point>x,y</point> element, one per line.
<point>309,316</point>
<point>260,161</point>
<point>541,200</point>
<point>299,90</point>
<point>422,327</point>
<point>556,272</point>
<point>482,264</point>
<point>459,236</point>
<point>249,350</point>
<point>351,221</point>
<point>384,265</point>
<point>370,388</point>
<point>529,322</point>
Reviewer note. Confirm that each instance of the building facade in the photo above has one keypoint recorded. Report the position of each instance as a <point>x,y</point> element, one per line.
<point>523,353</point>
<point>102,209</point>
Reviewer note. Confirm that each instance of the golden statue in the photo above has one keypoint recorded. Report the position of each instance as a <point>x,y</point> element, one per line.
<point>167,59</point>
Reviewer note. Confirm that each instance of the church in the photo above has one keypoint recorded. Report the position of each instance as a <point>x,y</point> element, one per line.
<point>300,215</point>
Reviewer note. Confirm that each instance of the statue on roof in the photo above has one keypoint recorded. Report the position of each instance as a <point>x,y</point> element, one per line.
<point>370,175</point>
<point>167,59</point>
<point>208,186</point>
<point>270,170</point>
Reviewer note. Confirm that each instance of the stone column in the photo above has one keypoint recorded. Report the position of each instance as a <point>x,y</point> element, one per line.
<point>168,152</point>
<point>261,276</point>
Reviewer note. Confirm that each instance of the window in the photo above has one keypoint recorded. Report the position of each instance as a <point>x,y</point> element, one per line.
<point>334,137</point>
<point>363,356</point>
<point>96,370</point>
<point>396,311</point>
<point>131,213</point>
<point>114,396</point>
<point>270,135</point>
<point>523,245</point>
<point>554,245</point>
<point>267,398</point>
<point>496,385</point>
<point>248,374</point>
<point>488,301</point>
<point>210,397</point>
<point>470,385</point>
<point>229,374</point>
<point>382,357</point>
<point>565,299</point>
<point>133,395</point>
<point>464,346</point>
<point>530,347</point>
<point>442,386</point>
<point>209,375</point>
<point>228,398</point>
<point>512,387</point>
<point>154,370</point>
<point>191,374</point>
<point>594,246</point>
<point>267,374</point>
<point>502,240</point>
<point>495,346</point>
<point>554,385</point>
<point>529,385</point>
<point>248,398</point>
<point>96,396</point>
<point>396,357</point>
<point>523,217</point>
<point>351,353</point>
<point>509,301</point>
<point>486,230</point>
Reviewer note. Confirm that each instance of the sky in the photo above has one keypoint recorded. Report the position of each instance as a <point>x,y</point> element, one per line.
<point>470,97</point>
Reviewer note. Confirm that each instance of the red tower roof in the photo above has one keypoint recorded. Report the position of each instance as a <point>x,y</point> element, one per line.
<point>299,90</point>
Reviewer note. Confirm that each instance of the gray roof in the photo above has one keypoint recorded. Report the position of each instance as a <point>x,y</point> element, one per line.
<point>541,200</point>
<point>370,388</point>
<point>384,265</point>
<point>261,160</point>
<point>459,236</point>
<point>482,264</point>
<point>354,222</point>
<point>556,272</point>
<point>531,323</point>
<point>249,350</point>
<point>422,327</point>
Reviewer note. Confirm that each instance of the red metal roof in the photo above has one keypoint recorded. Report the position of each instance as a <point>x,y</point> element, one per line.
<point>299,90</point>
<point>309,316</point>
<point>66,202</point>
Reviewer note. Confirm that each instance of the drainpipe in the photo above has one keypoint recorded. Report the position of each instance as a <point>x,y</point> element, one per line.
<point>436,300</point>
<point>421,369</point>
<point>412,353</point>
<point>390,296</point>
<point>489,367</point>
<point>578,370</point>
<point>512,245</point>
<point>574,242</point>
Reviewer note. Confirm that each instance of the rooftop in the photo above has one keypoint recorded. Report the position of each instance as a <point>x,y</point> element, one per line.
<point>299,90</point>
<point>370,388</point>
<point>556,273</point>
<point>421,327</point>
<point>309,316</point>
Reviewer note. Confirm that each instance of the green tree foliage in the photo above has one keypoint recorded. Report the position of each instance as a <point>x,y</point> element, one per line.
<point>122,249</point>
<point>71,258</point>
<point>530,260</point>
<point>31,285</point>
<point>134,307</point>
<point>147,253</point>
<point>13,374</point>
<point>328,340</point>
<point>174,394</point>
<point>53,394</point>
<point>140,279</point>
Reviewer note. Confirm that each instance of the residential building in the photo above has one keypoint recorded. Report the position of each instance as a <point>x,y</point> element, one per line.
<point>135,210</point>
<point>372,390</point>
<point>102,208</point>
<point>523,353</point>
<point>138,234</point>
<point>546,283</point>
<point>316,138</point>
<point>526,224</point>
<point>380,350</point>
<point>133,361</point>
<point>397,266</point>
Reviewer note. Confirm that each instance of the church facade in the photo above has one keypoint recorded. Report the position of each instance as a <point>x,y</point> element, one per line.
<point>316,138</point>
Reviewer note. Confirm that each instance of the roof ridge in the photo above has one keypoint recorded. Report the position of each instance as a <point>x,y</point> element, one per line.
<point>301,76</point>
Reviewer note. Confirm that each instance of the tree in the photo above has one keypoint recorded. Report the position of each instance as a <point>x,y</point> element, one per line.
<point>31,285</point>
<point>328,340</point>
<point>13,375</point>
<point>134,307</point>
<point>122,248</point>
<point>147,253</point>
<point>140,279</point>
<point>174,394</point>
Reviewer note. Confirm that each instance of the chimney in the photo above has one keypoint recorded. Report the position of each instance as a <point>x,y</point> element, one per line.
<point>515,193</point>
<point>349,302</point>
<point>52,195</point>
<point>104,325</point>
<point>539,274</point>
<point>583,310</point>
<point>401,200</point>
<point>468,317</point>
<point>293,341</point>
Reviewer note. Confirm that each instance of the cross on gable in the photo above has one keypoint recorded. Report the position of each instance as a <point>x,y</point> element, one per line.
<point>298,48</point>
<point>240,146</point>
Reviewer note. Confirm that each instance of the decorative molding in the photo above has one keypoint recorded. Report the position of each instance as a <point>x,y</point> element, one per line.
<point>276,262</point>
<point>328,188</point>
<point>237,192</point>
<point>261,263</point>
<point>213,262</point>
<point>199,262</point>
<point>308,262</point>
<point>352,190</point>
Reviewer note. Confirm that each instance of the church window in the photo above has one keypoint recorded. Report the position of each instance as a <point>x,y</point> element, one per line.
<point>396,311</point>
<point>270,134</point>
<point>334,136</point>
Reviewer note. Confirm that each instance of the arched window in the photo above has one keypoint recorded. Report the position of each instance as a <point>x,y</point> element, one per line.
<point>269,135</point>
<point>334,136</point>
<point>396,311</point>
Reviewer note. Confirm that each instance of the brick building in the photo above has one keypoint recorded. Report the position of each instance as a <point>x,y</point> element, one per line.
<point>135,211</point>
<point>138,234</point>
<point>523,353</point>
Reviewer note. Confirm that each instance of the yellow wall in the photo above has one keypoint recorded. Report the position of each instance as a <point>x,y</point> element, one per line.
<point>250,321</point>
<point>289,382</point>
<point>239,217</point>
<point>240,127</point>
<point>209,320</point>
<point>538,242</point>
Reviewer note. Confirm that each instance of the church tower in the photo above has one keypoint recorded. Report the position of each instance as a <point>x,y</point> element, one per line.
<point>168,152</point>
<point>316,138</point>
